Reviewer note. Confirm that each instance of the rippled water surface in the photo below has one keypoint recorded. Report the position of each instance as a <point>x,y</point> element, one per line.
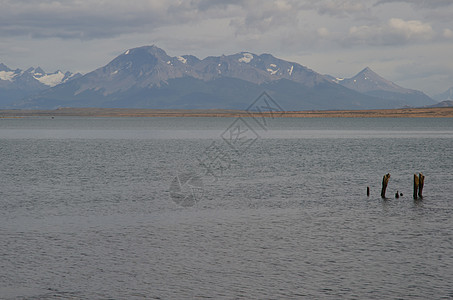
<point>88,209</point>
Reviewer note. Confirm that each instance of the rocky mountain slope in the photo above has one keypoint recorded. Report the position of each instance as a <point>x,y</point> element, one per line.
<point>369,83</point>
<point>146,77</point>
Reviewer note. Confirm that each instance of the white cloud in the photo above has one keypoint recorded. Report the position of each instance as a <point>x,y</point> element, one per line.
<point>410,29</point>
<point>395,31</point>
<point>323,32</point>
<point>448,33</point>
<point>420,3</point>
<point>341,7</point>
<point>263,16</point>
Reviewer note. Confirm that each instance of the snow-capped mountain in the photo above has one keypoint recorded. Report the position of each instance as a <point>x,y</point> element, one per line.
<point>17,84</point>
<point>370,83</point>
<point>51,79</point>
<point>146,77</point>
<point>148,67</point>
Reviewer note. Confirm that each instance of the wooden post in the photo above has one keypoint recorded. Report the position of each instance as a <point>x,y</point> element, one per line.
<point>368,191</point>
<point>421,182</point>
<point>385,181</point>
<point>416,182</point>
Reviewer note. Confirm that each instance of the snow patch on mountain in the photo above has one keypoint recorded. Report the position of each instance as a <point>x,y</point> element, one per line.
<point>182,59</point>
<point>246,58</point>
<point>7,75</point>
<point>272,69</point>
<point>35,76</point>
<point>273,72</point>
<point>50,79</point>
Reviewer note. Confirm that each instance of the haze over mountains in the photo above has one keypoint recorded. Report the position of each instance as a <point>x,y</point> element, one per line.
<point>146,77</point>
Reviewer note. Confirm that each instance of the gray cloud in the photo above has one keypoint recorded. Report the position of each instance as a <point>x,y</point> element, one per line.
<point>395,32</point>
<point>92,32</point>
<point>85,19</point>
<point>433,4</point>
<point>341,8</point>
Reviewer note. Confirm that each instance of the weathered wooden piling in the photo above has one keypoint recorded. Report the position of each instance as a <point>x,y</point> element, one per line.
<point>385,181</point>
<point>368,191</point>
<point>416,183</point>
<point>421,183</point>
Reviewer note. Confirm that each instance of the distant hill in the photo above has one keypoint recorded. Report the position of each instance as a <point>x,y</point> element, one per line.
<point>17,84</point>
<point>146,77</point>
<point>370,83</point>
<point>447,95</point>
<point>445,103</point>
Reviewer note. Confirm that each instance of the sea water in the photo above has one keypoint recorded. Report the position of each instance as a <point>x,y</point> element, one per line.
<point>225,208</point>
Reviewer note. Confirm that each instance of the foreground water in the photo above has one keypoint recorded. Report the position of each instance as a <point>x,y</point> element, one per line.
<point>88,209</point>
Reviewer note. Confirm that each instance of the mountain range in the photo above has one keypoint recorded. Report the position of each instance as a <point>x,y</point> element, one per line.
<point>17,84</point>
<point>146,77</point>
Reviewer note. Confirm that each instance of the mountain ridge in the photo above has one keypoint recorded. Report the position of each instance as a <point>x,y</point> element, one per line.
<point>17,84</point>
<point>147,77</point>
<point>370,83</point>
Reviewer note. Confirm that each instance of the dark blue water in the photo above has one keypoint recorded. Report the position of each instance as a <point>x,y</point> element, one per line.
<point>89,209</point>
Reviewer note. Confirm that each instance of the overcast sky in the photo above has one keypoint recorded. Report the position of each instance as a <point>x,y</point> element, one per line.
<point>408,42</point>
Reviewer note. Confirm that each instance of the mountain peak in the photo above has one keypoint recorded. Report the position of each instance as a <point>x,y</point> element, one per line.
<point>4,68</point>
<point>39,71</point>
<point>369,73</point>
<point>135,61</point>
<point>153,50</point>
<point>369,82</point>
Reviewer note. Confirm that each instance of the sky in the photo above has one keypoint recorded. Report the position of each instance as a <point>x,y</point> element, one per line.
<point>407,42</point>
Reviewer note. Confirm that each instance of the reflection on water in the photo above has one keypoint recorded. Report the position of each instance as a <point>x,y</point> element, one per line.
<point>86,210</point>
